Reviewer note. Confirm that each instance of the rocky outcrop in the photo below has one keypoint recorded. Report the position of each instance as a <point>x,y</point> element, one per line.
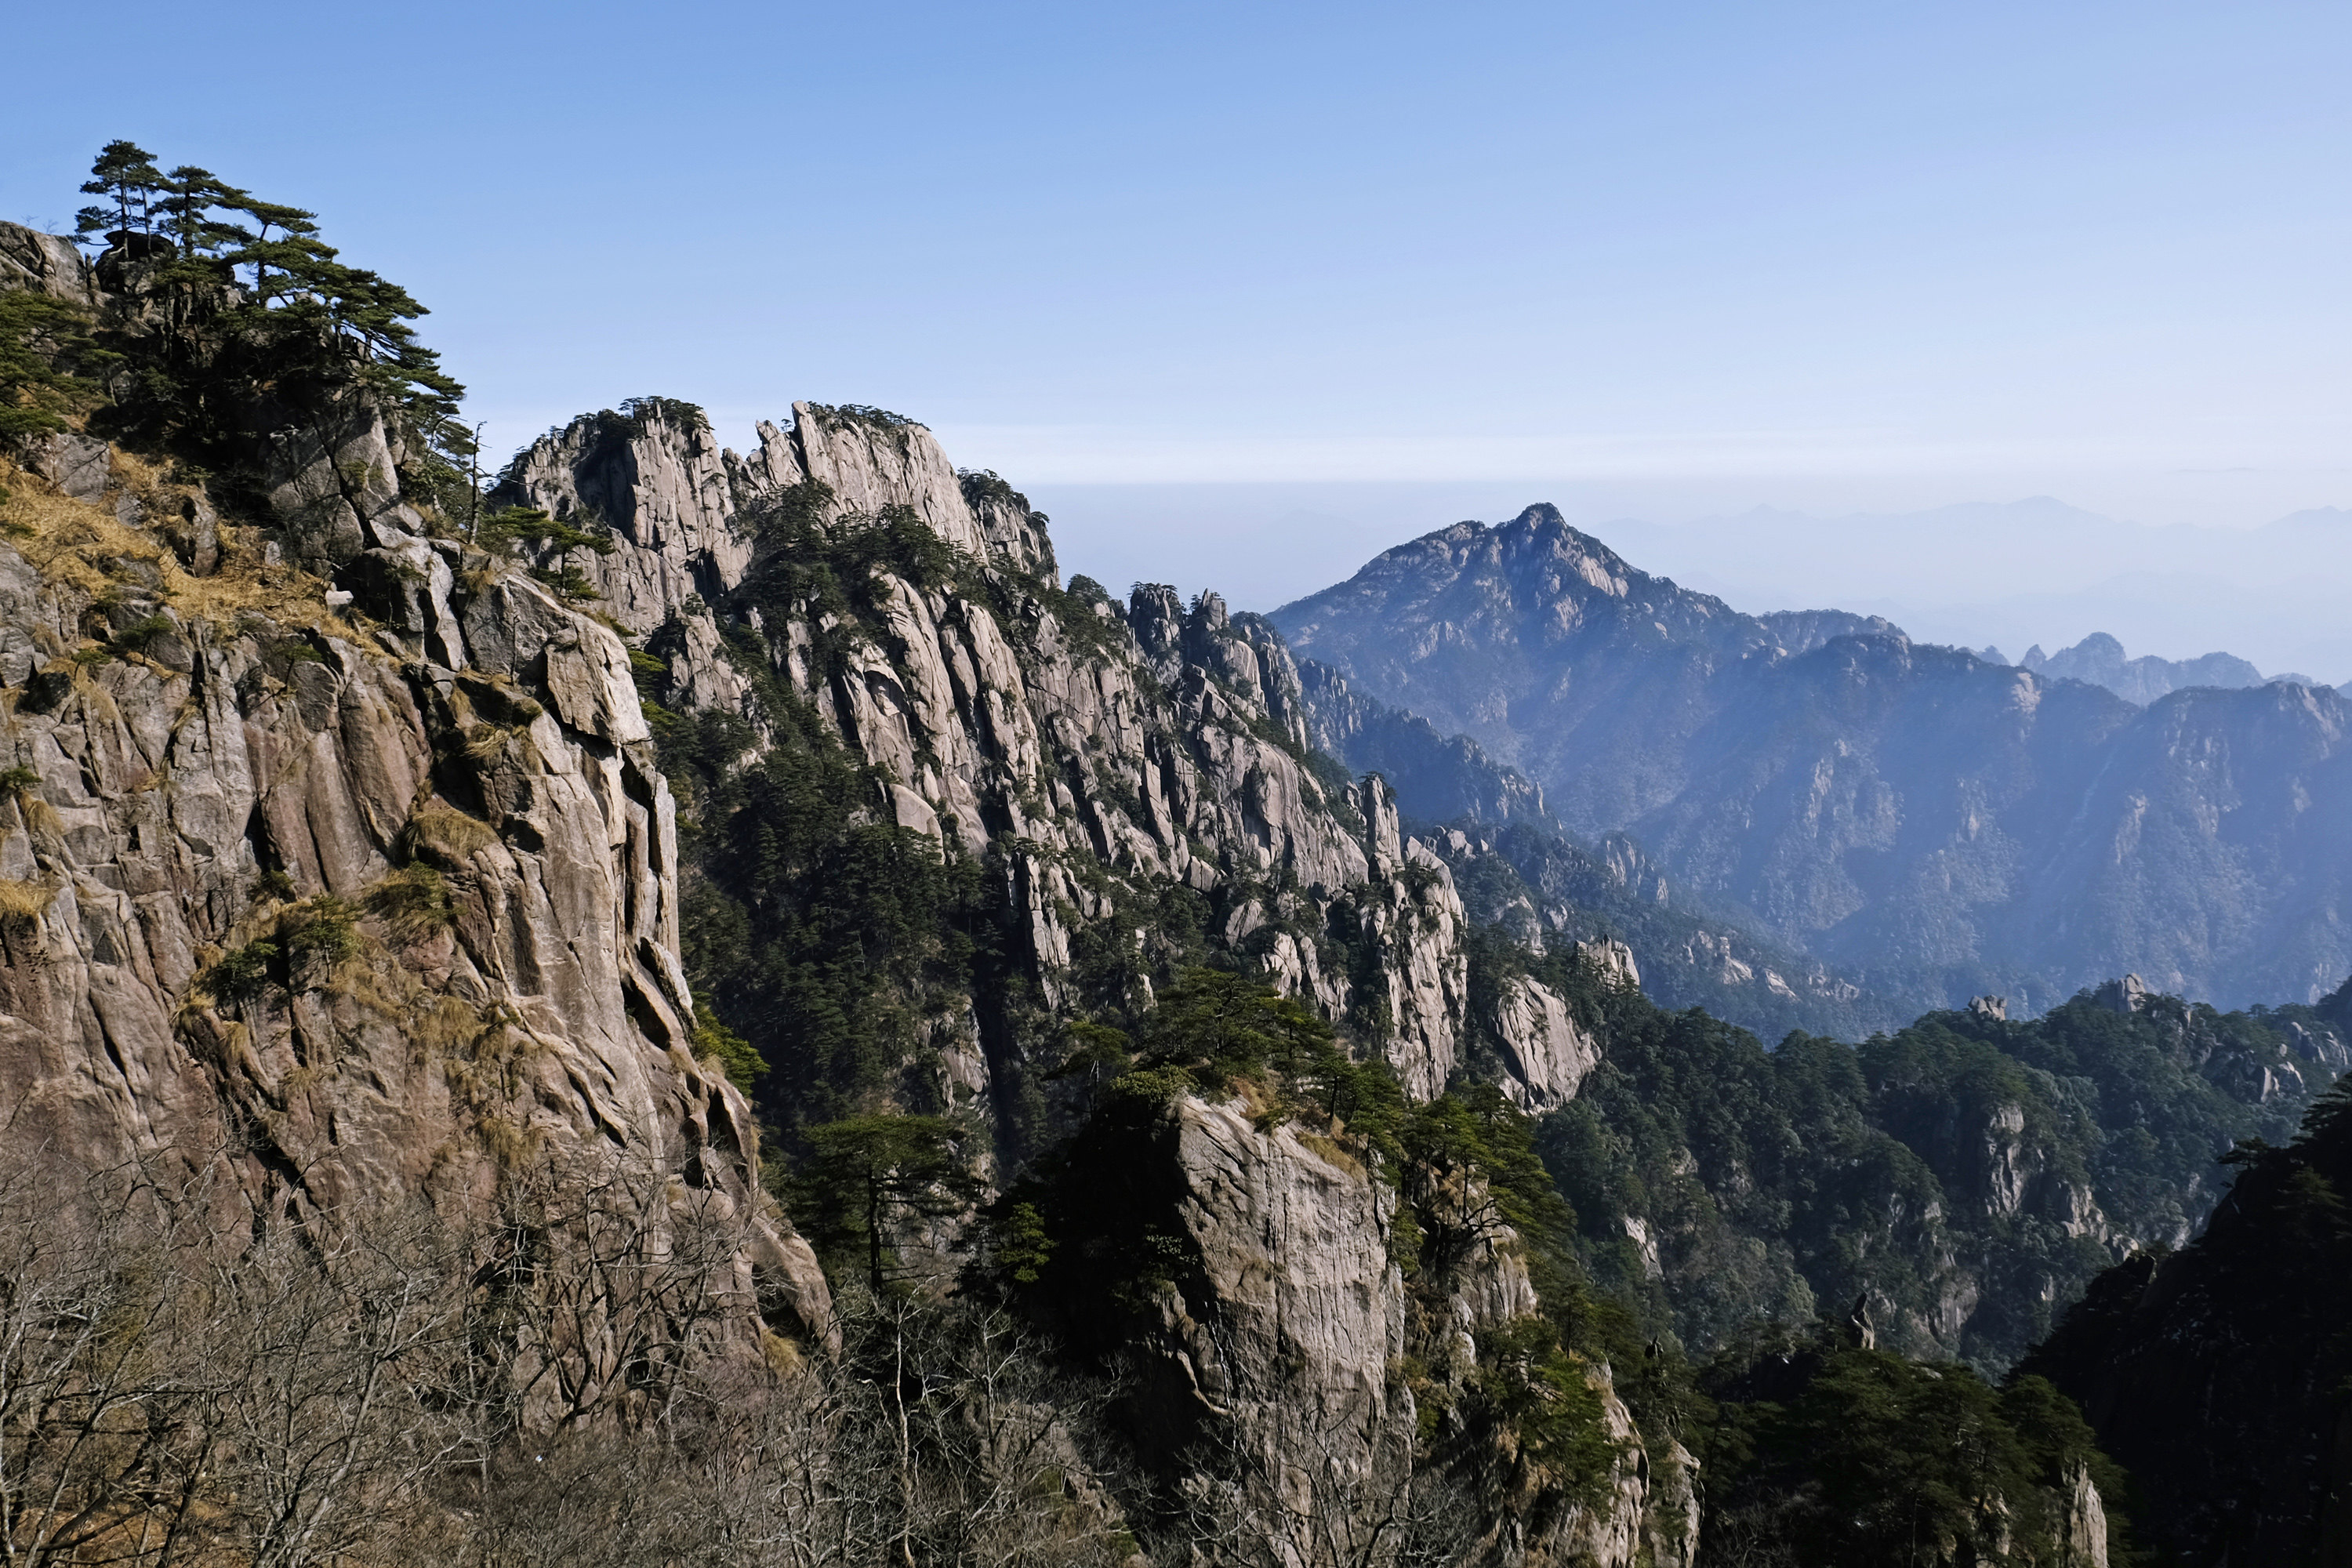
<point>46,264</point>
<point>1161,744</point>
<point>1281,1355</point>
<point>2099,659</point>
<point>361,907</point>
<point>653,478</point>
<point>2127,996</point>
<point>1549,1054</point>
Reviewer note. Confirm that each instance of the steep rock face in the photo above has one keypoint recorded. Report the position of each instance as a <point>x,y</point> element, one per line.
<point>364,908</point>
<point>1284,1354</point>
<point>1941,826</point>
<point>1547,890</point>
<point>1551,1054</point>
<point>1153,742</point>
<point>653,477</point>
<point>46,264</point>
<point>1438,777</point>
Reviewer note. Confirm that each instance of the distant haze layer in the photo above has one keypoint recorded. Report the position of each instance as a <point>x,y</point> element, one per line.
<point>2011,574</point>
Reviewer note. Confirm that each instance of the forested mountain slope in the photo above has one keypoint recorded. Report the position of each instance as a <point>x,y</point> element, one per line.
<point>2218,1371</point>
<point>1936,827</point>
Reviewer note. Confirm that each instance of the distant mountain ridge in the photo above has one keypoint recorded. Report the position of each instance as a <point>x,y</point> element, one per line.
<point>2100,660</point>
<point>2010,572</point>
<point>1934,824</point>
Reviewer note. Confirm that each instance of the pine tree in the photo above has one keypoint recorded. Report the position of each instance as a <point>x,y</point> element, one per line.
<point>868,1173</point>
<point>125,173</point>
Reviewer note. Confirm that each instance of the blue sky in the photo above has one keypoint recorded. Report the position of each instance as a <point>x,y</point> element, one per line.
<point>1672,259</point>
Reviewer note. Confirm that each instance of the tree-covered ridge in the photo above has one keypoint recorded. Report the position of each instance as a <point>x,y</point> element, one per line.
<point>1823,1451</point>
<point>2218,1373</point>
<point>1970,1174</point>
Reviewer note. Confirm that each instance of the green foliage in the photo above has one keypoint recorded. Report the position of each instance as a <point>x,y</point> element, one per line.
<point>715,1042</point>
<point>841,414</point>
<point>1534,1401</point>
<point>1095,1051</point>
<point>238,299</point>
<point>985,487</point>
<point>1474,1156</point>
<point>2221,1371</point>
<point>47,353</point>
<point>639,413</point>
<point>324,929</point>
<point>1768,1182</point>
<point>827,941</point>
<point>1086,630</point>
<point>528,533</point>
<point>241,971</point>
<point>1214,1028</point>
<point>509,527</point>
<point>1861,1458</point>
<point>125,173</point>
<point>865,1175</point>
<point>19,779</point>
<point>1019,1243</point>
<point>135,637</point>
<point>1106,1235</point>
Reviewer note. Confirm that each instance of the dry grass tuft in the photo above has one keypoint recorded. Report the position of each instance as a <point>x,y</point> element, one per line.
<point>512,1147</point>
<point>447,833</point>
<point>413,904</point>
<point>24,903</point>
<point>81,545</point>
<point>486,747</point>
<point>1331,1151</point>
<point>782,1356</point>
<point>41,818</point>
<point>449,1025</point>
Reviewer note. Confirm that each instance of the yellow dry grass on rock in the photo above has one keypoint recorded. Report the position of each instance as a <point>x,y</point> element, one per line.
<point>81,545</point>
<point>1332,1152</point>
<point>447,831</point>
<point>41,819</point>
<point>24,902</point>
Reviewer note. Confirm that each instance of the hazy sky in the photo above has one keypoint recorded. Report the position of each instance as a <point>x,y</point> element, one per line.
<point>1676,259</point>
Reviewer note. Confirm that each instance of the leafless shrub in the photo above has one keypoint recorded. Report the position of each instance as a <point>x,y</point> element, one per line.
<point>578,1377</point>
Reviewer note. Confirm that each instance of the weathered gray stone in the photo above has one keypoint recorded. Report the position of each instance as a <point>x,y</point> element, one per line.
<point>80,465</point>
<point>552,1014</point>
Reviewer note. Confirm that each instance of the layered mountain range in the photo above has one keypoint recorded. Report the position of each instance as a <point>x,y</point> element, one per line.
<point>1936,825</point>
<point>939,957</point>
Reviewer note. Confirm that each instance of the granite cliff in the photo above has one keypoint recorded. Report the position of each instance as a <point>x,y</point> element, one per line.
<point>1103,792</point>
<point>365,891</point>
